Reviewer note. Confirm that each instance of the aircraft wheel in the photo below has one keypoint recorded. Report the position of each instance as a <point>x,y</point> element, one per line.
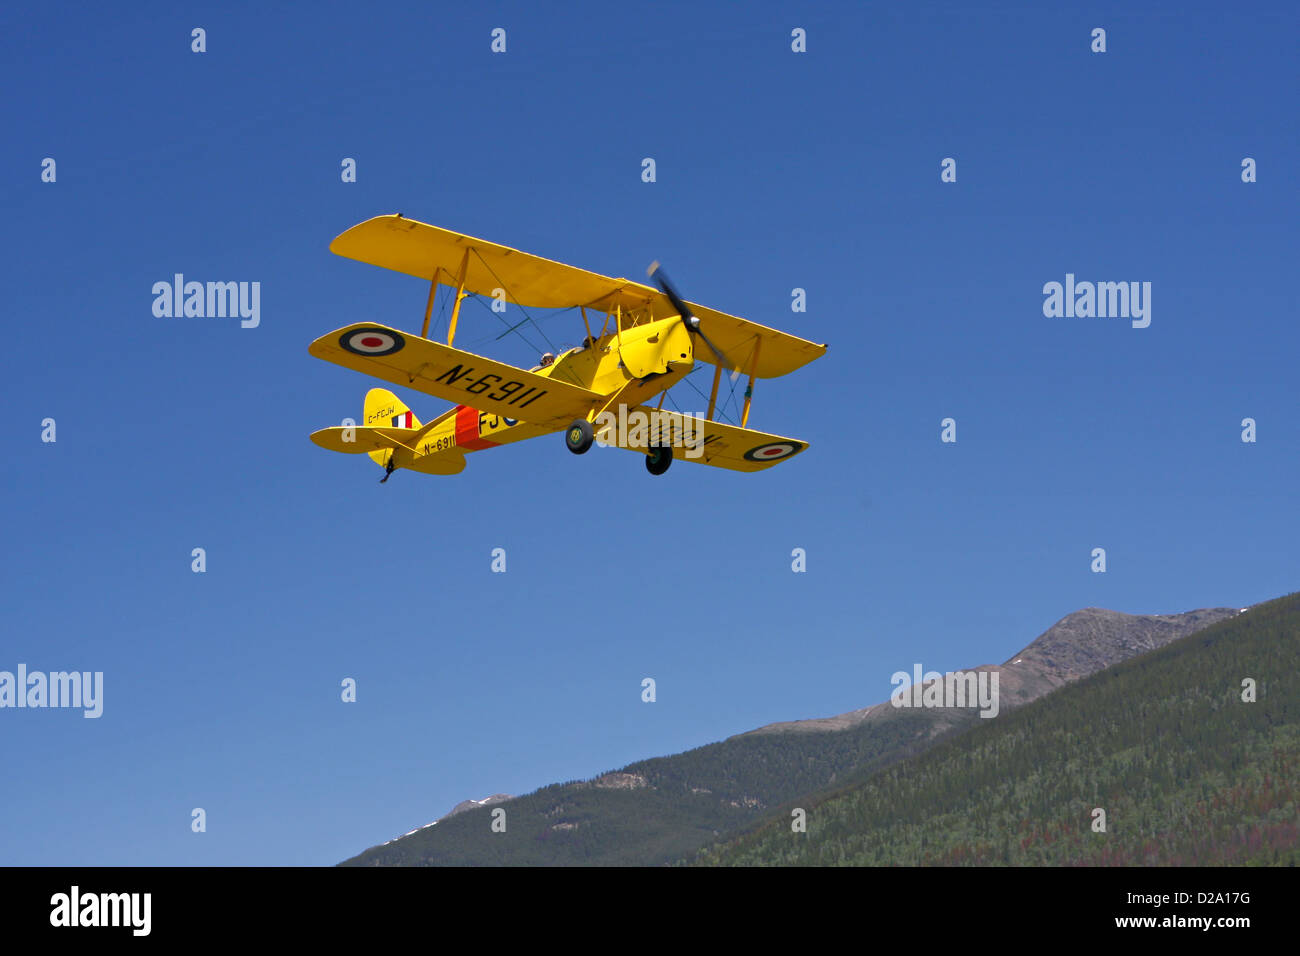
<point>579,436</point>
<point>658,460</point>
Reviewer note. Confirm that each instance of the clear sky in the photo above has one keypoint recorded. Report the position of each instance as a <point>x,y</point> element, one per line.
<point>775,170</point>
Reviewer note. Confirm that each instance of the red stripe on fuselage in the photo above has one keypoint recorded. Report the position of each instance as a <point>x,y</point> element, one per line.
<point>467,430</point>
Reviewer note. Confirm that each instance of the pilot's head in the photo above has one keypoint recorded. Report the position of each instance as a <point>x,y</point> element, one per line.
<point>547,359</point>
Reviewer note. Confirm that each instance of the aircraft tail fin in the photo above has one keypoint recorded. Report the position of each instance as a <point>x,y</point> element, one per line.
<point>383,409</point>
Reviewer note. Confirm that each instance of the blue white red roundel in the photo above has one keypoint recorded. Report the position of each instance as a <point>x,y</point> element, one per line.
<point>774,451</point>
<point>372,341</point>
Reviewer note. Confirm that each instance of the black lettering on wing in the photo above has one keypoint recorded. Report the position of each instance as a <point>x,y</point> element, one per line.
<point>453,375</point>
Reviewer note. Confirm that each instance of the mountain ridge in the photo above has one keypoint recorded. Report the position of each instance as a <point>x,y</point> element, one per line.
<point>1188,755</point>
<point>663,808</point>
<point>1033,671</point>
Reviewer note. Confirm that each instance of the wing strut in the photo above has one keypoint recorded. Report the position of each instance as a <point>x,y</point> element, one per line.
<point>713,395</point>
<point>428,306</point>
<point>749,390</point>
<point>460,294</point>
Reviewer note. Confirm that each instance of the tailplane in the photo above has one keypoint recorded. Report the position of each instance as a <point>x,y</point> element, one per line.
<point>390,434</point>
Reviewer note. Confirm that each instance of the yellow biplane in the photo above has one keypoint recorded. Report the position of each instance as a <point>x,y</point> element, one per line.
<point>594,392</point>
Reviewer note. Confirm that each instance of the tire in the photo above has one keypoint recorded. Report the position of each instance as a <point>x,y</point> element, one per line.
<point>658,460</point>
<point>578,436</point>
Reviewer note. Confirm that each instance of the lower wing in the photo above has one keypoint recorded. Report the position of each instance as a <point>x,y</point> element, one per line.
<point>460,377</point>
<point>694,439</point>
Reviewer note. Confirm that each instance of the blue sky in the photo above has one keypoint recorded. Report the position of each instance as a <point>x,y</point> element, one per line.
<point>775,170</point>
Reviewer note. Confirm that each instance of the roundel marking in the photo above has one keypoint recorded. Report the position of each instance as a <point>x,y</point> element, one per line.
<point>372,342</point>
<point>773,451</point>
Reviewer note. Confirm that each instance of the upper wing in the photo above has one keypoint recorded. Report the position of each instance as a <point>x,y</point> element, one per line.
<point>418,249</point>
<point>720,445</point>
<point>779,352</point>
<point>461,377</point>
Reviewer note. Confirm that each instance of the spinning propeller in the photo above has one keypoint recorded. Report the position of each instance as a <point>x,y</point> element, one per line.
<point>691,321</point>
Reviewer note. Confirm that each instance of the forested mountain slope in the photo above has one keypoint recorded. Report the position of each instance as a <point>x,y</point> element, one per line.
<point>1187,772</point>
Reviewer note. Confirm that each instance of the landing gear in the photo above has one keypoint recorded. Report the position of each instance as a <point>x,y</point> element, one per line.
<point>578,438</point>
<point>389,467</point>
<point>660,457</point>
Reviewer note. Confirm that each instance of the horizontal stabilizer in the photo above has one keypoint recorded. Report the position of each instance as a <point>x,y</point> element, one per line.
<point>357,439</point>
